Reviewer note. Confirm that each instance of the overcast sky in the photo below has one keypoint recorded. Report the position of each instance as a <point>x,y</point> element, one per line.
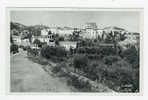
<point>127,20</point>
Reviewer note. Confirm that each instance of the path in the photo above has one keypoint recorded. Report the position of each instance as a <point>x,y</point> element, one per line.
<point>27,76</point>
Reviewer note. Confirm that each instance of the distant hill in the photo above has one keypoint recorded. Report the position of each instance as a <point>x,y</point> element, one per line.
<point>34,29</point>
<point>39,26</point>
<point>114,27</point>
<point>17,26</point>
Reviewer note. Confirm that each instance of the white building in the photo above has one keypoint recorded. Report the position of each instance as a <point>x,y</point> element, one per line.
<point>16,39</point>
<point>90,31</point>
<point>66,31</point>
<point>114,30</point>
<point>100,33</point>
<point>44,32</point>
<point>68,44</point>
<point>132,39</point>
<point>47,38</point>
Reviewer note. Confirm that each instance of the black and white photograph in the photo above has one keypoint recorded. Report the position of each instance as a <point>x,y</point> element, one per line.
<point>74,50</point>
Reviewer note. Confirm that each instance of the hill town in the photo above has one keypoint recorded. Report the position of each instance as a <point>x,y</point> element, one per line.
<point>87,59</point>
<point>69,36</point>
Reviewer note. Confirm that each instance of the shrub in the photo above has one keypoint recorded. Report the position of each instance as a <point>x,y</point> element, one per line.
<point>60,52</point>
<point>37,42</point>
<point>109,60</point>
<point>80,61</point>
<point>21,46</point>
<point>81,85</point>
<point>120,74</point>
<point>14,48</point>
<point>132,56</point>
<point>50,52</point>
<point>107,51</point>
<point>81,50</point>
<point>42,61</point>
<point>56,69</point>
<point>61,38</point>
<point>31,51</point>
<point>97,50</point>
<point>94,56</point>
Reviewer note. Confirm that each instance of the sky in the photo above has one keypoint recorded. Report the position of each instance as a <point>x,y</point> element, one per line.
<point>123,19</point>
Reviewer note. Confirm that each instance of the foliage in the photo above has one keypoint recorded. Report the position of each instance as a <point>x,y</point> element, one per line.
<point>119,74</point>
<point>11,39</point>
<point>81,85</point>
<point>96,50</point>
<point>109,60</point>
<point>131,55</point>
<point>56,69</point>
<point>80,61</point>
<point>50,52</point>
<point>61,38</point>
<point>37,42</point>
<point>14,48</point>
<point>31,51</point>
<point>108,51</point>
<point>57,42</point>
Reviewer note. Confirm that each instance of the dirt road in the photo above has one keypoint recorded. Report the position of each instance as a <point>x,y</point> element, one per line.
<point>27,76</point>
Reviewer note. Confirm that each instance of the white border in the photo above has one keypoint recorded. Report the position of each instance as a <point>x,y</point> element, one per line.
<point>8,9</point>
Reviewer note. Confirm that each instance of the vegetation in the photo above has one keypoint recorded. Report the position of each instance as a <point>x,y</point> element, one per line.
<point>80,61</point>
<point>119,72</point>
<point>31,51</point>
<point>14,48</point>
<point>53,53</point>
<point>37,42</point>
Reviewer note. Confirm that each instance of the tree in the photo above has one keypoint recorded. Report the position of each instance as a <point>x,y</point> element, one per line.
<point>56,39</point>
<point>11,39</point>
<point>75,35</point>
<point>80,61</point>
<point>132,56</point>
<point>30,37</point>
<point>37,42</point>
<point>49,33</point>
<point>14,48</point>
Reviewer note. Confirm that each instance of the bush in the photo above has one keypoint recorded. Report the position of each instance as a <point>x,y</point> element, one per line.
<point>131,55</point>
<point>81,85</point>
<point>94,56</point>
<point>97,50</point>
<point>81,50</point>
<point>108,51</point>
<point>109,60</point>
<point>14,48</point>
<point>21,46</point>
<point>121,74</point>
<point>51,52</point>
<point>80,61</point>
<point>61,38</point>
<point>56,69</point>
<point>118,74</point>
<point>37,42</point>
<point>30,51</point>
